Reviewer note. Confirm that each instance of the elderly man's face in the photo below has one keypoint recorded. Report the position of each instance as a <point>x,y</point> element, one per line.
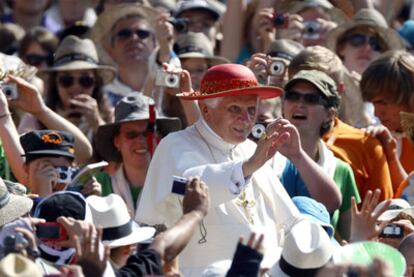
<point>233,118</point>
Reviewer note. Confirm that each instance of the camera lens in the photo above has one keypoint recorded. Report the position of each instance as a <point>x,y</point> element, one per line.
<point>277,68</point>
<point>279,20</point>
<point>172,80</point>
<point>180,24</point>
<point>258,130</point>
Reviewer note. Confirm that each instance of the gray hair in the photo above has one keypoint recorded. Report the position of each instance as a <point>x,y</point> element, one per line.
<point>212,102</point>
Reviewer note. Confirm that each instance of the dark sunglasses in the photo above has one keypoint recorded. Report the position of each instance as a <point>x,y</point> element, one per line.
<point>36,60</point>
<point>127,33</point>
<point>133,134</point>
<point>67,81</point>
<point>358,40</point>
<point>312,99</point>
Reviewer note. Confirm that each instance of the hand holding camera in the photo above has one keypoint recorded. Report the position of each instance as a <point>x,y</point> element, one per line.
<point>167,79</point>
<point>9,90</point>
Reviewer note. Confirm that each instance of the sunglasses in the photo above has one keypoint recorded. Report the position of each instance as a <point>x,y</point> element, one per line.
<point>36,60</point>
<point>127,33</point>
<point>67,81</point>
<point>358,40</point>
<point>312,99</point>
<point>134,134</point>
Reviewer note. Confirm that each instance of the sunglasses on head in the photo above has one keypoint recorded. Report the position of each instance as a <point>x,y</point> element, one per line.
<point>358,40</point>
<point>36,60</point>
<point>84,81</point>
<point>313,99</point>
<point>127,33</point>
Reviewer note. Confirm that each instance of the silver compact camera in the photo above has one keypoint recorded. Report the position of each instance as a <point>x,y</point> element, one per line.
<point>276,68</point>
<point>169,80</point>
<point>66,174</point>
<point>258,131</point>
<point>9,90</point>
<point>311,30</point>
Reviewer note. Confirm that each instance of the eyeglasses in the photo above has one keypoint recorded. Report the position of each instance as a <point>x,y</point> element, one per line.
<point>84,81</point>
<point>312,99</point>
<point>134,134</point>
<point>36,60</point>
<point>358,40</point>
<point>127,33</point>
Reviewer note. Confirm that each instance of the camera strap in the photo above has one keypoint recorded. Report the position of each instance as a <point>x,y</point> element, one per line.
<point>152,138</point>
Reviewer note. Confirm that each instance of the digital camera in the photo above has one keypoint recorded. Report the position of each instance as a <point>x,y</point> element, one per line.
<point>392,231</point>
<point>180,24</point>
<point>66,174</point>
<point>258,130</point>
<point>281,21</point>
<point>178,185</point>
<point>165,79</point>
<point>276,68</point>
<point>9,90</point>
<point>311,30</point>
<point>51,231</point>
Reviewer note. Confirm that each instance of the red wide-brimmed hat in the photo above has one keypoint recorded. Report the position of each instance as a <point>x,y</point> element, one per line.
<point>228,80</point>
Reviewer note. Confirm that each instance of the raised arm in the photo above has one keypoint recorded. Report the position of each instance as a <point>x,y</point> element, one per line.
<point>30,100</point>
<point>195,206</point>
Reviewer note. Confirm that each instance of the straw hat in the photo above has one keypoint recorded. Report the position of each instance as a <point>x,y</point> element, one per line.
<point>75,53</point>
<point>363,253</point>
<point>216,8</point>
<point>12,206</point>
<point>284,49</point>
<point>407,124</point>
<point>306,249</point>
<point>197,45</point>
<point>366,18</point>
<point>16,265</point>
<point>229,80</point>
<point>397,205</point>
<point>133,107</point>
<point>111,213</point>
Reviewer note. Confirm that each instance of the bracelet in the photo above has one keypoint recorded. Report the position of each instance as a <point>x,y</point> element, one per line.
<point>4,115</point>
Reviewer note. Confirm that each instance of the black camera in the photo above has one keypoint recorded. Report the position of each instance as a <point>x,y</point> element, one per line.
<point>281,21</point>
<point>180,24</point>
<point>258,130</point>
<point>14,243</point>
<point>178,186</point>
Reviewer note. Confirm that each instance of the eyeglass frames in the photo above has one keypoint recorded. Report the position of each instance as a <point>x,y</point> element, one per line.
<point>312,99</point>
<point>67,81</point>
<point>127,33</point>
<point>358,40</point>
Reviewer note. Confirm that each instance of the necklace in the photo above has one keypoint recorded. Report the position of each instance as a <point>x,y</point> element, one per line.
<point>242,201</point>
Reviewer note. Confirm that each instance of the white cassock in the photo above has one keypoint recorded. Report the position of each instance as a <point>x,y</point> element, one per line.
<point>237,206</point>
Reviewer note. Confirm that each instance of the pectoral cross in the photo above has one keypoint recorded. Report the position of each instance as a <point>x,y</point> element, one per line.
<point>246,206</point>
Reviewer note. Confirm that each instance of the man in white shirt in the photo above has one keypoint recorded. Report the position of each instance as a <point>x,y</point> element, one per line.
<point>246,194</point>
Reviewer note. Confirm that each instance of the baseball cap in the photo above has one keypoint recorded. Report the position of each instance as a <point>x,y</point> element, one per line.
<point>325,84</point>
<point>63,203</point>
<point>40,143</point>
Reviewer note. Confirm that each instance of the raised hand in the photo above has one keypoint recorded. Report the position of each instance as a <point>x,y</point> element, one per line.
<point>364,221</point>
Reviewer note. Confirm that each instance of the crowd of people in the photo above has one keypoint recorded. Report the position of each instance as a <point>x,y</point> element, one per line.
<point>207,138</point>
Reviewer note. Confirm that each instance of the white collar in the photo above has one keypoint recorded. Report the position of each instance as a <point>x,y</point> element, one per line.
<point>211,137</point>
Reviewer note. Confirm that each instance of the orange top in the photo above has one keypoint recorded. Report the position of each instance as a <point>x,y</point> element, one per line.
<point>365,155</point>
<point>407,155</point>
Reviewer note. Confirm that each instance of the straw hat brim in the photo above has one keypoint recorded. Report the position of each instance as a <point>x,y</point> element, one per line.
<point>263,92</point>
<point>407,124</point>
<point>390,37</point>
<point>105,134</point>
<point>107,73</point>
<point>213,60</point>
<point>17,207</point>
<point>137,235</point>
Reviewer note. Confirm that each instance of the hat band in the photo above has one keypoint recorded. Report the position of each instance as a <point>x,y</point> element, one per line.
<point>292,270</point>
<point>4,200</point>
<point>113,233</point>
<point>211,87</point>
<point>192,49</point>
<point>74,57</point>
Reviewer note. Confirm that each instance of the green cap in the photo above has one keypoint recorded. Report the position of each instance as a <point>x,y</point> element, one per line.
<point>363,253</point>
<point>325,84</point>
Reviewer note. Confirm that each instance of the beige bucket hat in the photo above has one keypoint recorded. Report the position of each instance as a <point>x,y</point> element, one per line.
<point>75,53</point>
<point>366,18</point>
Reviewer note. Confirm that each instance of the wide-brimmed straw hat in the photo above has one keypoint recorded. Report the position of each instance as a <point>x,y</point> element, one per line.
<point>101,31</point>
<point>306,249</point>
<point>229,80</point>
<point>131,108</point>
<point>197,46</point>
<point>366,18</point>
<point>407,124</point>
<point>111,213</point>
<point>284,49</point>
<point>17,265</point>
<point>12,206</point>
<point>75,53</point>
<point>396,206</point>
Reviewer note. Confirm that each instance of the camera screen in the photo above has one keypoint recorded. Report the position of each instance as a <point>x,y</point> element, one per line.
<point>48,231</point>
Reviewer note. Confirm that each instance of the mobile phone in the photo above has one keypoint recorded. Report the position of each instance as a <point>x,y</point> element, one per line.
<point>178,185</point>
<point>84,175</point>
<point>51,231</point>
<point>392,231</point>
